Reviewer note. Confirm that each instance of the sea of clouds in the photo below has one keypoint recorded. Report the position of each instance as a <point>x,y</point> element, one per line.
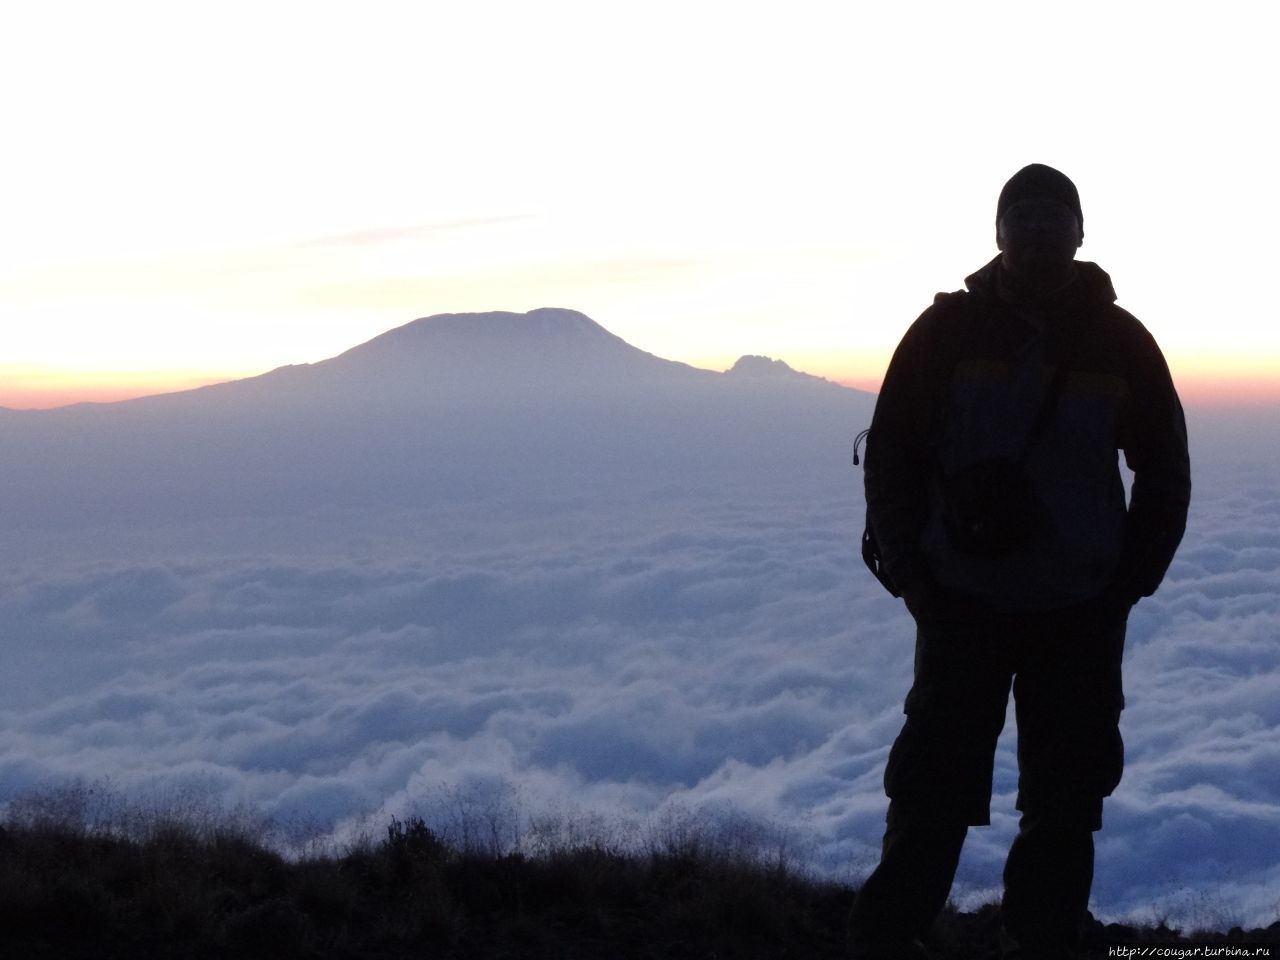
<point>616,653</point>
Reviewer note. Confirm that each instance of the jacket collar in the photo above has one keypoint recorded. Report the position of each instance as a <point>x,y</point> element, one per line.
<point>1091,286</point>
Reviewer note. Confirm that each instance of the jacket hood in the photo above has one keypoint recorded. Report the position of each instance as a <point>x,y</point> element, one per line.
<point>1091,284</point>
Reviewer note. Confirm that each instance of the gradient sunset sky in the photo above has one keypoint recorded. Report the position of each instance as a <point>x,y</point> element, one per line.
<point>197,192</point>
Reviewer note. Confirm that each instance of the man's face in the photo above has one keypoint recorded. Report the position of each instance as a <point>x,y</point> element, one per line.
<point>1039,238</point>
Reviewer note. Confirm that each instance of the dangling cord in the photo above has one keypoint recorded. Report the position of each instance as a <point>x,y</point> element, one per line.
<point>857,442</point>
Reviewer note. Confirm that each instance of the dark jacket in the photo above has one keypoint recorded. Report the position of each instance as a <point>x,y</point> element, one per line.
<point>965,386</point>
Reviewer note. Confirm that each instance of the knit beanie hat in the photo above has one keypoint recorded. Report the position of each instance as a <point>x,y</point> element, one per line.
<point>1038,182</point>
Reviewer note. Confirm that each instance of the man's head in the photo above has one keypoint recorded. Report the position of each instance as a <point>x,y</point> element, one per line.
<point>1039,225</point>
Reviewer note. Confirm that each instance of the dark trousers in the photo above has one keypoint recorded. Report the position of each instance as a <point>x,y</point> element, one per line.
<point>1064,670</point>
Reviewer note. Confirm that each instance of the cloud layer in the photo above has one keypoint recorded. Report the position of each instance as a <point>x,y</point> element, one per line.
<point>704,644</point>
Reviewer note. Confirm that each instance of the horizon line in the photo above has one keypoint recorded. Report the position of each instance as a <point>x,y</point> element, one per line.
<point>53,389</point>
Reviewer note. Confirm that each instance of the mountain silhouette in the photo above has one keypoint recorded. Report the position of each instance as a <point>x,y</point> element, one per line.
<point>514,344</point>
<point>766,368</point>
<point>476,356</point>
<point>456,405</point>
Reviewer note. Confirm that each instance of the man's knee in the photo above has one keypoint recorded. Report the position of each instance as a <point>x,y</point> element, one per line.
<point>1064,811</point>
<point>943,763</point>
<point>926,817</point>
<point>1066,774</point>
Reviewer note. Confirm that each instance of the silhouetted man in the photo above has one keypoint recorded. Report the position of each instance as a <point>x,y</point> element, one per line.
<point>995,496</point>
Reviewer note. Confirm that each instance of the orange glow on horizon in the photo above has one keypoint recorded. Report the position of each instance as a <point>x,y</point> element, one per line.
<point>1221,390</point>
<point>29,388</point>
<point>40,389</point>
<point>1216,390</point>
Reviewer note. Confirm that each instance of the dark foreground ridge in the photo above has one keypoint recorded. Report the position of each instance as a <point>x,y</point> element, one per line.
<point>70,894</point>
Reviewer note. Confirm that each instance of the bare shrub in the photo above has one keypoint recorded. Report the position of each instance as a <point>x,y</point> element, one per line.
<point>479,817</point>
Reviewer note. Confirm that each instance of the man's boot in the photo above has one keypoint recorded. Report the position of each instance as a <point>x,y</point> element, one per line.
<point>1046,881</point>
<point>903,895</point>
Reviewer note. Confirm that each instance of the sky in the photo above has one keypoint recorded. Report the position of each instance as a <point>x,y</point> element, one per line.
<point>196,193</point>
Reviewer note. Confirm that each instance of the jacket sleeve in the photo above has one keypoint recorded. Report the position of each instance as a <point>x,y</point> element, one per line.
<point>1153,435</point>
<point>900,458</point>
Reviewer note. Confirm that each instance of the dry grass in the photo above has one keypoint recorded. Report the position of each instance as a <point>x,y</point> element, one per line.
<point>83,874</point>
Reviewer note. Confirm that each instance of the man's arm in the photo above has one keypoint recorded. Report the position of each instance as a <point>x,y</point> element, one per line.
<point>1154,440</point>
<point>899,459</point>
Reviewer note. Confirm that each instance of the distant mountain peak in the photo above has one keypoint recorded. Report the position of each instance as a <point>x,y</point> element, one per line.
<point>488,356</point>
<point>562,318</point>
<point>557,321</point>
<point>554,346</point>
<point>756,367</point>
<point>547,330</point>
<point>547,324</point>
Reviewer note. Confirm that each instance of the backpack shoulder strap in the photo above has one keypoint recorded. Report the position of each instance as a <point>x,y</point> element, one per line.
<point>954,329</point>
